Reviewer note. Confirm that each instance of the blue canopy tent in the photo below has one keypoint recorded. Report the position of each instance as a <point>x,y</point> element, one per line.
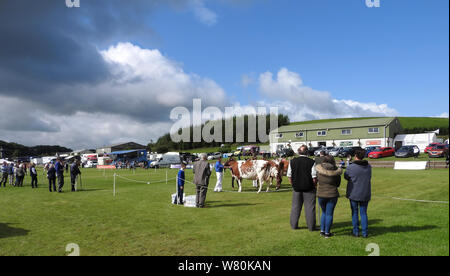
<point>129,155</point>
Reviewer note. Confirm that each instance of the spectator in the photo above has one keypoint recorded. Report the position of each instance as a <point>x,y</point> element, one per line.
<point>11,174</point>
<point>20,175</point>
<point>202,173</point>
<point>4,171</point>
<point>74,172</point>
<point>328,181</point>
<point>180,181</point>
<point>33,175</point>
<point>319,159</point>
<point>349,159</point>
<point>301,172</point>
<point>342,163</point>
<point>218,167</point>
<point>359,175</point>
<point>51,175</point>
<point>59,167</point>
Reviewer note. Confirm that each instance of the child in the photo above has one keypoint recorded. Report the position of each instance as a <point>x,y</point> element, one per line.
<point>342,163</point>
<point>180,181</point>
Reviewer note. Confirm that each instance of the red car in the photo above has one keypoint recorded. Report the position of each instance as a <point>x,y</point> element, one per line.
<point>382,152</point>
<point>430,146</point>
<point>437,151</point>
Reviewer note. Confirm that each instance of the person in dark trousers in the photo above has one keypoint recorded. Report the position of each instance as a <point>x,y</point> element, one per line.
<point>20,175</point>
<point>301,173</point>
<point>59,167</point>
<point>202,172</point>
<point>180,182</point>
<point>33,175</point>
<point>4,171</point>
<point>74,172</point>
<point>51,175</point>
<point>359,176</point>
<point>328,182</point>
<point>11,174</point>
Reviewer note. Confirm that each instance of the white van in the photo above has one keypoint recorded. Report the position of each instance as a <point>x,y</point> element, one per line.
<point>166,160</point>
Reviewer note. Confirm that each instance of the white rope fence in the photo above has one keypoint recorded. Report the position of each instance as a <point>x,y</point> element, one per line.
<point>248,192</point>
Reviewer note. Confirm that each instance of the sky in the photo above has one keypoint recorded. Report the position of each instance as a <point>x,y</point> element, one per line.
<point>112,70</point>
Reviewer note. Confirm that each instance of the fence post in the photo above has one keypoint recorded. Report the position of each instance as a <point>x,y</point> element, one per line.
<point>166,176</point>
<point>114,186</point>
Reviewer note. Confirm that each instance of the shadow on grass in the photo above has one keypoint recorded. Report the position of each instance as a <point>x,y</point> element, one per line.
<point>7,231</point>
<point>345,228</point>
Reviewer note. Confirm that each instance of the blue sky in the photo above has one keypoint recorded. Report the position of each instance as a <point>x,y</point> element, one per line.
<point>396,54</point>
<point>112,71</point>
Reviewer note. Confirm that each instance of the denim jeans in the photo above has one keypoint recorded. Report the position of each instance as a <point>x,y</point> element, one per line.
<point>327,205</point>
<point>362,206</point>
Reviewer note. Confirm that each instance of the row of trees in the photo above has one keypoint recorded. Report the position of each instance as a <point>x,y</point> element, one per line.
<point>165,142</point>
<point>13,150</point>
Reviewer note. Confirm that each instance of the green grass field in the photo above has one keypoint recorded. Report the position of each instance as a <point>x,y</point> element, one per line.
<point>140,220</point>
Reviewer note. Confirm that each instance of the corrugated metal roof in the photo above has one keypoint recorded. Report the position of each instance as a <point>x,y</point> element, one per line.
<point>338,124</point>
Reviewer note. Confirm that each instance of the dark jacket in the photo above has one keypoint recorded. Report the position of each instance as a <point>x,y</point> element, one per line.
<point>329,179</point>
<point>51,173</point>
<point>301,174</point>
<point>359,175</point>
<point>74,170</point>
<point>201,172</point>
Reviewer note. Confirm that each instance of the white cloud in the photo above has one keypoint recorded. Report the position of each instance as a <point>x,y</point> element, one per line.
<point>301,102</point>
<point>133,105</point>
<point>443,115</point>
<point>202,13</point>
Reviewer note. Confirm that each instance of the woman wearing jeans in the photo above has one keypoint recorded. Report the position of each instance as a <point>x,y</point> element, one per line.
<point>359,175</point>
<point>329,179</point>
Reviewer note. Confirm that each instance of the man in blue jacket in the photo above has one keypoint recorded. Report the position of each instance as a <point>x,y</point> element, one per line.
<point>359,176</point>
<point>180,186</point>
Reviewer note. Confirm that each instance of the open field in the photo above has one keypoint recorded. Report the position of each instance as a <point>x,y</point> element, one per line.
<point>141,221</point>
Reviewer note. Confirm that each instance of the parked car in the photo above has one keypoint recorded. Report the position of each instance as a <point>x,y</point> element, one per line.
<point>370,149</point>
<point>430,146</point>
<point>348,151</point>
<point>437,151</point>
<point>285,152</point>
<point>407,151</point>
<point>214,155</point>
<point>382,152</point>
<point>335,151</point>
<point>311,150</point>
<point>325,149</point>
<point>91,164</point>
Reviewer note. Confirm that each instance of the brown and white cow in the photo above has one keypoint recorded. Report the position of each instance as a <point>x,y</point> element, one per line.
<point>261,170</point>
<point>283,166</point>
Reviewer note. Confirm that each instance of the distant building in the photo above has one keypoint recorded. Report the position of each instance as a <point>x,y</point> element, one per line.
<point>337,133</point>
<point>120,147</point>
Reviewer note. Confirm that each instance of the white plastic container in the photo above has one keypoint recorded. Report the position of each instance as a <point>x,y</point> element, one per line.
<point>189,201</point>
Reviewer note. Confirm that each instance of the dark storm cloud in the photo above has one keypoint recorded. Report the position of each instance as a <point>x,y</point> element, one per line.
<point>49,54</point>
<point>46,43</point>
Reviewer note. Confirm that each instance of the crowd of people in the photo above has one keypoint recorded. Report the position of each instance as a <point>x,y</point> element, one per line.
<point>321,178</point>
<point>311,180</point>
<point>14,174</point>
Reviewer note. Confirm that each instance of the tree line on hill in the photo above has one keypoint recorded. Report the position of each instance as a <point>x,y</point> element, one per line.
<point>13,150</point>
<point>165,143</point>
